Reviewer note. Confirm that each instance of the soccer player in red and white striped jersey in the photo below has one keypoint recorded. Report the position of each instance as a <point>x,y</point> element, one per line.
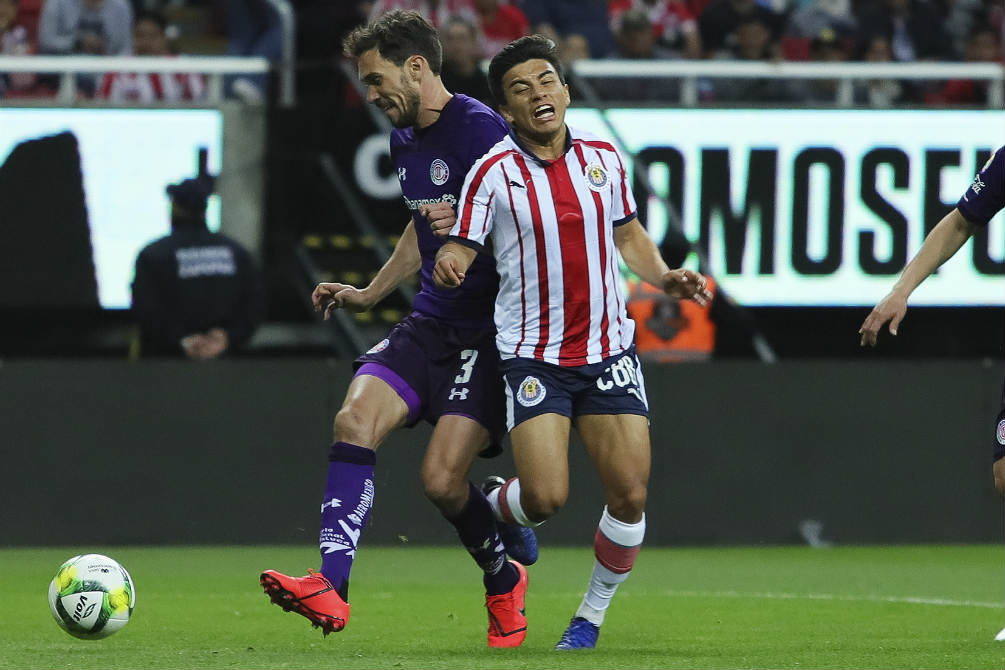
<point>557,207</point>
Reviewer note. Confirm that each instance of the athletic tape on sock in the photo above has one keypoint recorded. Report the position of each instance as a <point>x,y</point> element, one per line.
<point>616,543</point>
<point>510,507</point>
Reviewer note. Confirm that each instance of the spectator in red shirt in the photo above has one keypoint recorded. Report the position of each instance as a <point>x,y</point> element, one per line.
<point>150,39</point>
<point>13,42</point>
<point>674,27</point>
<point>984,46</point>
<point>500,24</point>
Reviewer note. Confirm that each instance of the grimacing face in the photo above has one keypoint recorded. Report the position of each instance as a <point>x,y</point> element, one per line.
<point>536,100</point>
<point>390,88</point>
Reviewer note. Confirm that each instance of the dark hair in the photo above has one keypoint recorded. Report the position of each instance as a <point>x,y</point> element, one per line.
<point>520,51</point>
<point>153,17</point>
<point>397,36</point>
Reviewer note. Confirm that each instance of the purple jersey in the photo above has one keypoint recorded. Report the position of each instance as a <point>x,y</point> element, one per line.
<point>986,195</point>
<point>432,163</point>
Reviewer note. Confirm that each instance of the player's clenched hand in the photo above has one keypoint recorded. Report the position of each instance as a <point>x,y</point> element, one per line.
<point>447,272</point>
<point>687,284</point>
<point>329,296</point>
<point>441,217</point>
<point>892,308</point>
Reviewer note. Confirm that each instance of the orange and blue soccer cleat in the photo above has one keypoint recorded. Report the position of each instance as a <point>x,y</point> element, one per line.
<point>312,597</point>
<point>507,615</point>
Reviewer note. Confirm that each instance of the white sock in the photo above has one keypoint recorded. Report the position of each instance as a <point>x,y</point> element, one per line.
<point>615,546</point>
<point>509,510</point>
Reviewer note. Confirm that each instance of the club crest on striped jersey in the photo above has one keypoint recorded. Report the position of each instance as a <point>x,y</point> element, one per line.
<point>380,346</point>
<point>439,173</point>
<point>596,176</point>
<point>531,392</point>
<point>1001,432</point>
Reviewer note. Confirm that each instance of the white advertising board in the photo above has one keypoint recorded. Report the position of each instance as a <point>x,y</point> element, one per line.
<point>817,207</point>
<point>128,156</point>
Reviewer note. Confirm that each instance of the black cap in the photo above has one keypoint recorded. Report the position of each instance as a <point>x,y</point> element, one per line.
<point>191,193</point>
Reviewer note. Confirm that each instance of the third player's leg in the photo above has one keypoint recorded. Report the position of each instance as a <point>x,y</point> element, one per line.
<point>619,447</point>
<point>370,411</point>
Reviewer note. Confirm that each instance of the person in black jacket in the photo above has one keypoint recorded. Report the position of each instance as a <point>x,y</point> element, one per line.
<point>195,293</point>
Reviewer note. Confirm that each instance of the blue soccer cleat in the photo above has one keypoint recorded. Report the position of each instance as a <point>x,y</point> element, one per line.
<point>581,634</point>
<point>520,542</point>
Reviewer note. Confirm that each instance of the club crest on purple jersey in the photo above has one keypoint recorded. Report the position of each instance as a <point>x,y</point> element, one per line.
<point>531,392</point>
<point>1001,432</point>
<point>439,173</point>
<point>596,176</point>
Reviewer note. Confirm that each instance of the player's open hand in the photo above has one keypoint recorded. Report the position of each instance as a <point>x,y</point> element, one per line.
<point>892,308</point>
<point>448,272</point>
<point>329,296</point>
<point>687,285</point>
<point>441,217</point>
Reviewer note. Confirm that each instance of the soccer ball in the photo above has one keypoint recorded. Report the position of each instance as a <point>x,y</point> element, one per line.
<point>91,596</point>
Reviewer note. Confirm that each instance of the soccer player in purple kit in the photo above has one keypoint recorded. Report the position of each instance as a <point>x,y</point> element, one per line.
<point>977,206</point>
<point>438,364</point>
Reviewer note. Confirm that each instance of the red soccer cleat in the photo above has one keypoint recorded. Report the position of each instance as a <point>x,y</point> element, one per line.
<point>507,617</point>
<point>312,597</point>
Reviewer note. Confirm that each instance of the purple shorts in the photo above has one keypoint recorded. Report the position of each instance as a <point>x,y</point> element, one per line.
<point>612,386</point>
<point>439,369</point>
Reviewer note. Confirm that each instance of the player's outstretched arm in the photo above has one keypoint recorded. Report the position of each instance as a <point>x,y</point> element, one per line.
<point>643,258</point>
<point>945,240</point>
<point>452,261</point>
<point>404,262</point>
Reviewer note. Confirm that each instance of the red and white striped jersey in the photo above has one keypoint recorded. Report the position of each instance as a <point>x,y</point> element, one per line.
<point>552,229</point>
<point>152,86</point>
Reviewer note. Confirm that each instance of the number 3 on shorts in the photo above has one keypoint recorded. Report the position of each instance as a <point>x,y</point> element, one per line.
<point>469,355</point>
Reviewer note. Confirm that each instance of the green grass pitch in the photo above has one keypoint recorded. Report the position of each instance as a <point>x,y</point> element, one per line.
<point>416,607</point>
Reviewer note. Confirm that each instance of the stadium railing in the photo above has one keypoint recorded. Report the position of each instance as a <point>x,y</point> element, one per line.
<point>288,53</point>
<point>215,68</point>
<point>690,72</point>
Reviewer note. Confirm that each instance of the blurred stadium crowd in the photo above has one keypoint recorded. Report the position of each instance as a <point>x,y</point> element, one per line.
<point>638,30</point>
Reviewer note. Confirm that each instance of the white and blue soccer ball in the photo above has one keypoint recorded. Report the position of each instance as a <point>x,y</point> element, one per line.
<point>91,596</point>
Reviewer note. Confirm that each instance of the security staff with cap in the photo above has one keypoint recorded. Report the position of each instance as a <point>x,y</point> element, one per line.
<point>195,293</point>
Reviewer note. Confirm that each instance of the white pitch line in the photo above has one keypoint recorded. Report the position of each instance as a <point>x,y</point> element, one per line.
<point>776,595</point>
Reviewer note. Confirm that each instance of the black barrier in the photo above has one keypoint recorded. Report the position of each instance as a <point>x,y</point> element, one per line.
<point>100,452</point>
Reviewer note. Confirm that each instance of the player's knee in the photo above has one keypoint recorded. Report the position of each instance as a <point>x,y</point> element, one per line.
<point>541,505</point>
<point>353,425</point>
<point>629,503</point>
<point>445,490</point>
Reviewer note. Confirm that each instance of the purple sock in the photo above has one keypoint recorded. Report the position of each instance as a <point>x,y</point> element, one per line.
<point>344,510</point>
<point>476,526</point>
